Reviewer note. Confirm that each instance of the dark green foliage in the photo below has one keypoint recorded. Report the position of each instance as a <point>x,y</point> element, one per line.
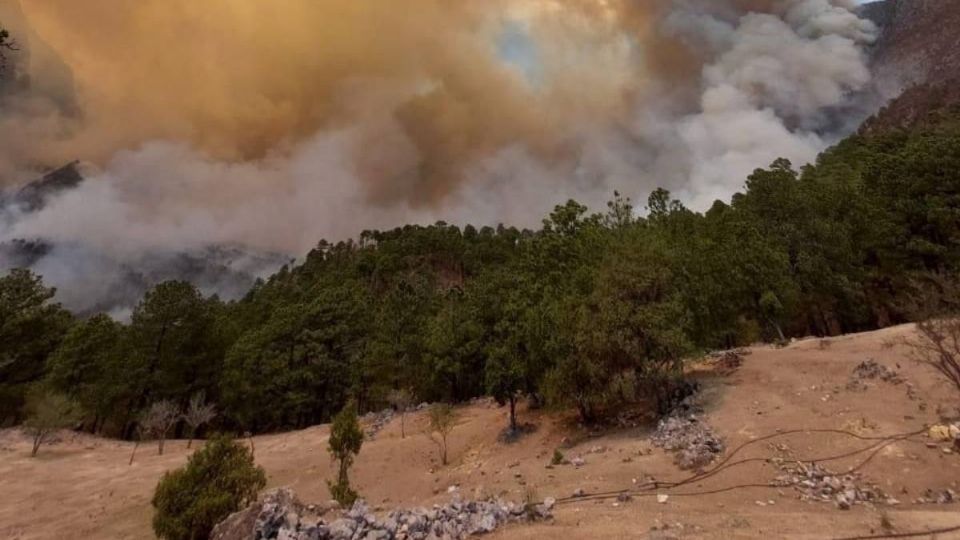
<point>219,479</point>
<point>31,328</point>
<point>93,367</point>
<point>346,438</point>
<point>590,311</point>
<point>176,345</point>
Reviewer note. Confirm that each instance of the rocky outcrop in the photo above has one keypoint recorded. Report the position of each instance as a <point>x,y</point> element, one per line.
<point>34,196</point>
<point>280,516</point>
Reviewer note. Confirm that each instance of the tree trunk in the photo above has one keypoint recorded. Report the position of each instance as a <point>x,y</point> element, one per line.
<point>513,413</point>
<point>152,368</point>
<point>160,447</point>
<point>586,415</point>
<point>342,477</point>
<point>779,330</point>
<point>37,441</point>
<point>134,453</point>
<point>403,433</point>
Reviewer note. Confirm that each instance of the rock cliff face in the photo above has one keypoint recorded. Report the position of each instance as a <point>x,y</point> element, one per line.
<point>916,61</point>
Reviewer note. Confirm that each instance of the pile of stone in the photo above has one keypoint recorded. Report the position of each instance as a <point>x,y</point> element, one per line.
<point>729,360</point>
<point>816,483</point>
<point>872,370</point>
<point>376,421</point>
<point>930,496</point>
<point>280,516</point>
<point>685,433</point>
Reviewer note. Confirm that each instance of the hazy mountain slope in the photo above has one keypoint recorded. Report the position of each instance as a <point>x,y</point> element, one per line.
<point>916,61</point>
<point>91,281</point>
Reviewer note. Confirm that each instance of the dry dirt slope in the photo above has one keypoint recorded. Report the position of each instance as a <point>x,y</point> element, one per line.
<point>84,488</point>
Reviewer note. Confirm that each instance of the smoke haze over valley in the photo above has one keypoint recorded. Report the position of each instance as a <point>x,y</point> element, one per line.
<point>201,125</point>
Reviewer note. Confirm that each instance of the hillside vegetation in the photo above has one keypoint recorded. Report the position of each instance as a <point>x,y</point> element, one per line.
<point>81,486</point>
<point>589,311</point>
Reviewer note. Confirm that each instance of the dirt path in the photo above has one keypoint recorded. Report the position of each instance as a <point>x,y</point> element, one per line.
<point>83,488</point>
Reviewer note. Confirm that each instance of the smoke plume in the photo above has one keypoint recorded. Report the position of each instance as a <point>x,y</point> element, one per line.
<point>275,124</point>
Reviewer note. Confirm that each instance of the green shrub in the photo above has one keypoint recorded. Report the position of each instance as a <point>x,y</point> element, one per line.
<point>219,479</point>
<point>558,457</point>
<point>47,412</point>
<point>346,438</point>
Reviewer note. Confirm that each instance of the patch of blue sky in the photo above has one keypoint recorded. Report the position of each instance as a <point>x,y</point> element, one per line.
<point>518,49</point>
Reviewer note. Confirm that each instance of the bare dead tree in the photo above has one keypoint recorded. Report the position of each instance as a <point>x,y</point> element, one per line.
<point>937,344</point>
<point>401,400</point>
<point>158,420</point>
<point>198,413</point>
<point>136,445</point>
<point>936,307</point>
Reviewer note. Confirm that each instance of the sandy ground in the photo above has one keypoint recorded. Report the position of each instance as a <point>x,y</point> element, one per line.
<point>83,488</point>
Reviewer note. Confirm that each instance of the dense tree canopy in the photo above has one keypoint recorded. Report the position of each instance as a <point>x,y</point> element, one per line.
<point>588,311</point>
<point>31,329</point>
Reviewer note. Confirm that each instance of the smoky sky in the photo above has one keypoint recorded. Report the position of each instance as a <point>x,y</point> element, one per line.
<point>275,124</point>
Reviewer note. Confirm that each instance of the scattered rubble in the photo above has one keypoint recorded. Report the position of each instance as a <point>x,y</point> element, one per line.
<point>377,420</point>
<point>280,516</point>
<point>685,432</point>
<point>872,370</point>
<point>815,483</point>
<point>729,360</point>
<point>633,417</point>
<point>930,496</point>
<point>944,432</point>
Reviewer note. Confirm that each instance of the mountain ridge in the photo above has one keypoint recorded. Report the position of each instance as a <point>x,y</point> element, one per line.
<point>915,62</point>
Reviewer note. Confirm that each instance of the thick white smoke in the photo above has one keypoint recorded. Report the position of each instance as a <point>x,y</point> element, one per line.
<point>766,94</point>
<point>754,83</point>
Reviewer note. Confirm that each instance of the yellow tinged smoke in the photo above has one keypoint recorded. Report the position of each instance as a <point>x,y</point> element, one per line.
<point>243,79</point>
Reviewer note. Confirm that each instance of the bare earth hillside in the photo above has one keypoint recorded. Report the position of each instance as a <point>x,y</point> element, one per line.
<point>82,487</point>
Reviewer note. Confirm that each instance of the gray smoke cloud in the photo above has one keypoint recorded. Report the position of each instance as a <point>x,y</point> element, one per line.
<point>560,100</point>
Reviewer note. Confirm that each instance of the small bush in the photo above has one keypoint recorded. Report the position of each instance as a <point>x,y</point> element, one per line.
<point>443,418</point>
<point>47,412</point>
<point>558,457</point>
<point>218,480</point>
